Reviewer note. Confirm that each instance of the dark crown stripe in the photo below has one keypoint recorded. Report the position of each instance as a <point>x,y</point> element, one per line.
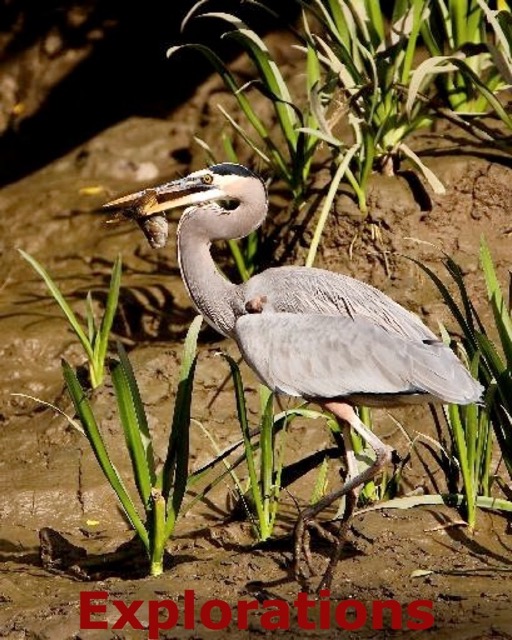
<point>230,169</point>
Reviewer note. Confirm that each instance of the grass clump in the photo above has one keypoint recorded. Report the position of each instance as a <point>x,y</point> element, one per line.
<point>160,492</point>
<point>160,488</point>
<point>95,336</point>
<point>468,58</point>
<point>290,153</point>
<point>490,360</point>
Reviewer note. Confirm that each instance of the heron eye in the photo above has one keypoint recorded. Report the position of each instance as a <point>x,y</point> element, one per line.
<point>207,178</point>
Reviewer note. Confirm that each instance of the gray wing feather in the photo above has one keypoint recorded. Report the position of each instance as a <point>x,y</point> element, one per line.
<point>317,291</point>
<point>319,356</point>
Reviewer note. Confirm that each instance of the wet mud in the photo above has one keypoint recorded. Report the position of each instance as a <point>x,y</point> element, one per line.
<point>49,480</point>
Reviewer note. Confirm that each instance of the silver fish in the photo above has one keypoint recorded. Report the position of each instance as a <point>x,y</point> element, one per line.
<point>156,229</point>
<point>138,207</point>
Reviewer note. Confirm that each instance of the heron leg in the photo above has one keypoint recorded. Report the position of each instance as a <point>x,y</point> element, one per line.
<point>350,456</point>
<point>350,488</point>
<point>345,513</point>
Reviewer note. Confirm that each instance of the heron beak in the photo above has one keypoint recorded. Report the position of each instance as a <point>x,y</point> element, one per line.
<point>183,192</point>
<point>147,207</point>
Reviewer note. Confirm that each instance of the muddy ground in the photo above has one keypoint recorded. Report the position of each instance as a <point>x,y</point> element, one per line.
<point>49,477</point>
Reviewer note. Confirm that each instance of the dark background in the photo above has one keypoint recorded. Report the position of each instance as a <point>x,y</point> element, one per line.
<point>70,69</point>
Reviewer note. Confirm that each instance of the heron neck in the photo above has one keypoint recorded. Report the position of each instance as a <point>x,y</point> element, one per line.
<point>214,296</point>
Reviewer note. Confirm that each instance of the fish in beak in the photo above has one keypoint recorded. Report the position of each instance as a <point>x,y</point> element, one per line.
<point>147,207</point>
<point>138,206</point>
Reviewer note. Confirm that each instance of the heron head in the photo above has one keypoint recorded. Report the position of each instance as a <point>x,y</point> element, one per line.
<point>220,191</point>
<point>225,183</point>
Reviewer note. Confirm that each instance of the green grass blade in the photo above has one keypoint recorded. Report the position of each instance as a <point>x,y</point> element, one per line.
<point>329,199</point>
<point>158,534</point>
<point>220,457</point>
<point>278,470</point>
<point>360,22</point>
<point>433,46</point>
<point>71,421</point>
<point>59,299</point>
<point>313,71</point>
<point>498,304</point>
<point>500,25</point>
<point>458,12</point>
<point>103,335</point>
<point>483,454</point>
<point>251,249</point>
<point>347,75</point>
<point>267,460</point>
<point>334,19</point>
<point>320,485</point>
<point>422,75</point>
<point>249,450</point>
<point>268,70</point>
<point>456,273</point>
<point>451,304</point>
<point>430,176</point>
<point>91,322</point>
<point>471,420</point>
<point>500,373</point>
<point>135,426</point>
<point>419,14</point>
<point>337,22</point>
<point>93,434</point>
<point>450,499</point>
<point>239,259</point>
<point>229,149</point>
<point>483,88</point>
<point>491,355</point>
<point>375,21</point>
<point>274,158</point>
<point>504,436</point>
<point>475,24</point>
<point>322,136</point>
<point>230,83</point>
<point>462,423</point>
<point>175,470</point>
<point>250,142</point>
<point>456,428</point>
<point>281,420</point>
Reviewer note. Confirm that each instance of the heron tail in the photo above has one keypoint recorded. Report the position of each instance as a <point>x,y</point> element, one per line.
<point>439,372</point>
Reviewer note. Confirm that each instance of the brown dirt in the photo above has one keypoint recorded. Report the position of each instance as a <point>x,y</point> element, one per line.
<point>50,479</point>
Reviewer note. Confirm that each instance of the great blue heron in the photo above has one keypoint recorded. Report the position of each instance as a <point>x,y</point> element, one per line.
<point>305,332</point>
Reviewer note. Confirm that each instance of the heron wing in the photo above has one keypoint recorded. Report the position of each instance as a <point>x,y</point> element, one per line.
<point>319,356</point>
<point>305,290</point>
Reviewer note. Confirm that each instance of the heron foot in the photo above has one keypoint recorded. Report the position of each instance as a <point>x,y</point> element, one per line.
<point>303,562</point>
<point>307,523</point>
<point>325,582</point>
